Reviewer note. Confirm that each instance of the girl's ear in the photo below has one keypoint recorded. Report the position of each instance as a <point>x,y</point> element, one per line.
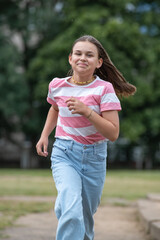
<point>100,62</point>
<point>70,59</point>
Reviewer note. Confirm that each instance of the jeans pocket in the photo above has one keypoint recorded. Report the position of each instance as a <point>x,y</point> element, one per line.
<point>61,147</point>
<point>101,156</point>
<point>59,154</point>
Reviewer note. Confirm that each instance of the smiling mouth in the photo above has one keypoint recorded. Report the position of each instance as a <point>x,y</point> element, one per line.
<point>82,64</point>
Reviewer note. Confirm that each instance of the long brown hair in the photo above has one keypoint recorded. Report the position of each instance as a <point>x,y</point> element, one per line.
<point>108,71</point>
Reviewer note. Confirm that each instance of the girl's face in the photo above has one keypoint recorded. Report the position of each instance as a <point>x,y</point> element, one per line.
<point>84,58</point>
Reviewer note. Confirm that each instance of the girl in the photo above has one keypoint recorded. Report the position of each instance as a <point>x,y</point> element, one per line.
<point>84,110</point>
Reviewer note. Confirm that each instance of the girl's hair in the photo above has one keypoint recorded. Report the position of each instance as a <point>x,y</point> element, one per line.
<point>108,71</point>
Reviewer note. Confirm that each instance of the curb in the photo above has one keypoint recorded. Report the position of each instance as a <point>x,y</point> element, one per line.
<point>155,230</point>
<point>149,214</point>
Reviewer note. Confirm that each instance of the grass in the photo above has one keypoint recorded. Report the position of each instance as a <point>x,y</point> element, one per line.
<point>11,210</point>
<point>125,184</point>
<point>131,184</point>
<point>17,182</point>
<point>26,182</point>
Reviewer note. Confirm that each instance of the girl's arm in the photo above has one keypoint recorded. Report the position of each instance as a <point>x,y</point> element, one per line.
<point>50,124</point>
<point>107,124</point>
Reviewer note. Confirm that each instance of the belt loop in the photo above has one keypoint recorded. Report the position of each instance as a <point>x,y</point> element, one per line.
<point>71,145</point>
<point>94,147</point>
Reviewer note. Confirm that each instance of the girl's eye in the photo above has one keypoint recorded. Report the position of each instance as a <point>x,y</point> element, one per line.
<point>77,54</point>
<point>89,55</point>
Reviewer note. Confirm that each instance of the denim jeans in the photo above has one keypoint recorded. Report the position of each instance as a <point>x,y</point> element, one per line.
<point>79,173</point>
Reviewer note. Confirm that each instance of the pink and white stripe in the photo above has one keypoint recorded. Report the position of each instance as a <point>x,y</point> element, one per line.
<point>98,95</point>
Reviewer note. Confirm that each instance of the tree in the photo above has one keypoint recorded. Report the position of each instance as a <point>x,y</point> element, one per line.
<point>13,89</point>
<point>31,23</point>
<point>135,52</point>
<point>129,31</point>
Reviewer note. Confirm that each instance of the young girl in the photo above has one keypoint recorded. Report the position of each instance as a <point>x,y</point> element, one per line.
<point>84,110</point>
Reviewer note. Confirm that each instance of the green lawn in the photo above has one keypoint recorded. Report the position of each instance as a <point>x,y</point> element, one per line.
<point>26,182</point>
<point>131,184</point>
<point>125,184</point>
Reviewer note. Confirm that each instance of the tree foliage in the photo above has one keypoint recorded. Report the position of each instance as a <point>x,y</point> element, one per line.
<point>13,88</point>
<point>129,31</point>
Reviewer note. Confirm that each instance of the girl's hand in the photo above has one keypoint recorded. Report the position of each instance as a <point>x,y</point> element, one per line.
<point>77,106</point>
<point>42,146</point>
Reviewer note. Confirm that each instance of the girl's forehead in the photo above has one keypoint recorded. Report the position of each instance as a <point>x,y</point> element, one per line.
<point>85,46</point>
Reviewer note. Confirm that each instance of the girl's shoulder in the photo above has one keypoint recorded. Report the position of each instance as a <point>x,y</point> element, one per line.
<point>57,82</point>
<point>105,84</point>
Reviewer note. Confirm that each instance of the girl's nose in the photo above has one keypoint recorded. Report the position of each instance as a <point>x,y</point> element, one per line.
<point>83,57</point>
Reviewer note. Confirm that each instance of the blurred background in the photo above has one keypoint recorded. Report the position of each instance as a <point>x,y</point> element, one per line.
<point>35,40</point>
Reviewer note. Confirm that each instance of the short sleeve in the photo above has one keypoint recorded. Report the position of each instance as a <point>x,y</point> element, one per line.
<point>50,96</point>
<point>109,99</point>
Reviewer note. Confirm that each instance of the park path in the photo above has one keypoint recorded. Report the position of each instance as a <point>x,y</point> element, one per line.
<point>111,223</point>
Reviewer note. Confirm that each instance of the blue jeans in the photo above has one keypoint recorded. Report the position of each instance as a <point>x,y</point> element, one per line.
<point>79,173</point>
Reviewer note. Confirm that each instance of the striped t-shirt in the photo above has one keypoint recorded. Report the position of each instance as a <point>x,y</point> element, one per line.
<point>99,95</point>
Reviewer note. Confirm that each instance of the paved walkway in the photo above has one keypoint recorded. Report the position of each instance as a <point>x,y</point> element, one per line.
<point>112,222</point>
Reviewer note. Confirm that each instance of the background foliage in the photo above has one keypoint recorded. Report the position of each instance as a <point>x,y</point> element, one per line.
<point>36,37</point>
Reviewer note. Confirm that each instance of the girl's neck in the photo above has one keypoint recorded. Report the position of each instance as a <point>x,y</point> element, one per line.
<point>82,80</point>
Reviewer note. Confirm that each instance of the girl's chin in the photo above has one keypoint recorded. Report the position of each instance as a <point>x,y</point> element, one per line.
<point>81,70</point>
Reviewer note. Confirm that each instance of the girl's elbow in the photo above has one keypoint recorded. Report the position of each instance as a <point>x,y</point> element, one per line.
<point>114,137</point>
